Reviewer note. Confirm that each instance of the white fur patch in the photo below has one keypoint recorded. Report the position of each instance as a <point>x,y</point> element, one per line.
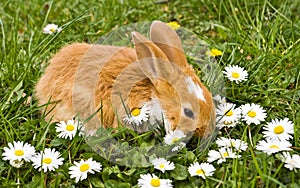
<point>158,114</point>
<point>194,88</point>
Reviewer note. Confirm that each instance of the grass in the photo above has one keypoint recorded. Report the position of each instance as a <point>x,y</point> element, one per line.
<point>263,36</point>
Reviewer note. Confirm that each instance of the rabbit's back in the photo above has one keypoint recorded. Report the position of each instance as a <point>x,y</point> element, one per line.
<point>72,75</point>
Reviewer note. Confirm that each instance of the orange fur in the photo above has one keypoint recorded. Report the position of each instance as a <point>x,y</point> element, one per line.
<point>84,78</point>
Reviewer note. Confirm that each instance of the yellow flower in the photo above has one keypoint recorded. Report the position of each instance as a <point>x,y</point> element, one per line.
<point>173,25</point>
<point>215,52</point>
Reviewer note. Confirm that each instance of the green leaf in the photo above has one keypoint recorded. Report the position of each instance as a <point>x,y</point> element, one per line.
<point>191,156</point>
<point>57,142</point>
<point>115,184</point>
<point>105,173</point>
<point>96,182</point>
<point>129,172</point>
<point>36,182</point>
<point>180,172</point>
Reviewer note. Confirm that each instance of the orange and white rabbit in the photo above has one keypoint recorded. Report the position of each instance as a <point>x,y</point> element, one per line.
<point>115,83</point>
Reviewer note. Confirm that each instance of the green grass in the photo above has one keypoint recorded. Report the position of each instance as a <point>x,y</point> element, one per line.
<point>260,35</point>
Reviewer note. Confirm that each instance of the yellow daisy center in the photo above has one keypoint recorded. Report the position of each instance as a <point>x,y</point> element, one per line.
<point>136,112</point>
<point>274,146</point>
<point>84,167</point>
<point>47,160</point>
<point>19,152</point>
<point>175,140</point>
<point>292,161</point>
<point>70,127</point>
<point>52,30</point>
<point>229,113</point>
<point>235,75</point>
<point>251,113</point>
<point>155,182</point>
<point>225,154</point>
<point>161,166</point>
<point>228,122</point>
<point>199,172</point>
<point>278,129</point>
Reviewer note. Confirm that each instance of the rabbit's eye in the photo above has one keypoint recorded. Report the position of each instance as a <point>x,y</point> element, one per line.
<point>189,113</point>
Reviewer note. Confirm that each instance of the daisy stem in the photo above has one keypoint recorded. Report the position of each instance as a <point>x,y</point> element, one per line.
<point>18,177</point>
<point>250,137</point>
<point>232,90</point>
<point>69,154</point>
<point>90,184</point>
<point>256,163</point>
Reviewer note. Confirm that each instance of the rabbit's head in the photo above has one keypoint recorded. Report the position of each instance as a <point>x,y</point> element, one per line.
<point>177,92</point>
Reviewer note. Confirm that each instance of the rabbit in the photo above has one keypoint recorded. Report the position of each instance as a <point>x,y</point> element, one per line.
<point>111,84</point>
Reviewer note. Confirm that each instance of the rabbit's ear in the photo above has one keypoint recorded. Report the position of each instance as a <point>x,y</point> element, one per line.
<point>168,41</point>
<point>152,60</point>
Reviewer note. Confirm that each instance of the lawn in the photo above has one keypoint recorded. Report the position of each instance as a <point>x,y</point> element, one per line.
<point>262,37</point>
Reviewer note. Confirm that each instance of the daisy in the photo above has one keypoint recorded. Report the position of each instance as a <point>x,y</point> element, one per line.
<point>221,123</point>
<point>273,146</point>
<point>291,162</point>
<point>51,29</point>
<point>235,73</point>
<point>162,164</point>
<point>80,170</point>
<point>203,170</point>
<point>232,143</point>
<point>49,160</point>
<point>215,52</point>
<point>18,151</point>
<point>253,113</point>
<point>227,112</point>
<point>152,181</point>
<point>16,163</point>
<point>173,137</point>
<point>68,129</point>
<point>138,115</point>
<point>221,155</point>
<point>279,129</point>
<point>173,25</point>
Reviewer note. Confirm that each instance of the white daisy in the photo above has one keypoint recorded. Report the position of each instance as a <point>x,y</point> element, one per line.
<point>232,143</point>
<point>162,164</point>
<point>68,129</point>
<point>253,113</point>
<point>173,137</point>
<point>18,151</point>
<point>227,112</point>
<point>273,146</point>
<point>279,129</point>
<point>235,73</point>
<point>51,29</point>
<point>16,163</point>
<point>203,170</point>
<point>152,181</point>
<point>227,124</point>
<point>49,160</point>
<point>138,115</point>
<point>80,170</point>
<point>221,155</point>
<point>291,162</point>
